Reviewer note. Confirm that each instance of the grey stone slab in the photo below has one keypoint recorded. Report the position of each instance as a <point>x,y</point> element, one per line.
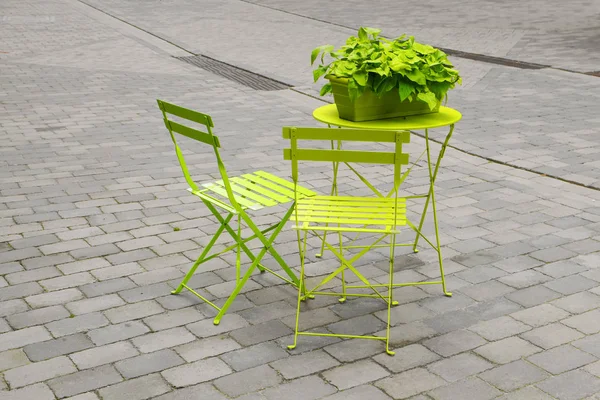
<point>552,335</point>
<point>571,284</point>
<point>207,391</point>
<point>304,364</point>
<point>561,359</point>
<point>207,347</point>
<point>37,317</point>
<point>38,391</point>
<point>571,385</point>
<point>578,303</point>
<point>23,337</point>
<point>533,296</point>
<point>38,372</point>
<point>12,359</point>
<point>118,332</point>
<point>540,315</point>
<point>196,372</point>
<point>407,357</point>
<point>103,355</point>
<point>248,381</point>
<point>499,328</point>
<point>353,349</point>
<point>57,347</point>
<point>81,323</point>
<point>84,381</point>
<point>410,383</point>
<point>507,350</point>
<point>142,388</point>
<point>260,333</point>
<point>527,393</point>
<point>354,374</point>
<point>148,363</point>
<point>160,340</point>
<point>359,393</point>
<point>206,328</point>
<point>310,387</point>
<point>513,376</point>
<point>471,388</point>
<point>454,342</point>
<point>459,366</point>
<point>54,298</point>
<point>254,356</point>
<point>588,322</point>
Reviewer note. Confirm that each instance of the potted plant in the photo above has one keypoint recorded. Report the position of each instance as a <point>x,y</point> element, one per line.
<point>373,78</point>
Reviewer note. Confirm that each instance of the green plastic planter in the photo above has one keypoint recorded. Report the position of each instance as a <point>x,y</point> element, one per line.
<point>370,107</point>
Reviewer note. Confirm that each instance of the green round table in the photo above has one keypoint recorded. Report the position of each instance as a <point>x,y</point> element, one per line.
<point>445,117</point>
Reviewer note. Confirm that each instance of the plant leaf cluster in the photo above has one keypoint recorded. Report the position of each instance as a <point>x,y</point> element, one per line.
<point>415,70</point>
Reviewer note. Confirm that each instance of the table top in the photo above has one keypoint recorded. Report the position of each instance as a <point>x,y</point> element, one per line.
<point>446,116</point>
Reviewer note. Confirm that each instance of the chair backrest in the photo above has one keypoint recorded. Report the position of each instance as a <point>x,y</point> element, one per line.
<point>202,133</point>
<point>395,158</point>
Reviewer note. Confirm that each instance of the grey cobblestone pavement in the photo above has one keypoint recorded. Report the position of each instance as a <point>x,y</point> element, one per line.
<point>91,196</point>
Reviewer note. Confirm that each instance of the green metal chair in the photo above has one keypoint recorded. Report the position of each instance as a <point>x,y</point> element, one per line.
<point>234,195</point>
<point>378,216</point>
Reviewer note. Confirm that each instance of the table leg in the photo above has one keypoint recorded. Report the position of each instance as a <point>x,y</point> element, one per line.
<point>431,198</point>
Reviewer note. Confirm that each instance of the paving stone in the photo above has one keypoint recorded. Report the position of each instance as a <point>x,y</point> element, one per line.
<point>587,323</point>
<point>560,269</point>
<point>83,265</point>
<point>54,298</point>
<point>514,375</point>
<point>304,364</point>
<point>117,271</point>
<point>359,393</point>
<point>254,356</point>
<point>23,337</point>
<point>133,311</point>
<point>552,254</point>
<point>95,304</point>
<point>352,349</point>
<point>459,366</point>
<point>84,396</point>
<point>143,388</point>
<point>161,340</point>
<point>561,359</point>
<point>37,317</point>
<point>260,333</point>
<point>354,374</point>
<point>445,304</point>
<point>540,315</point>
<point>34,275</point>
<point>551,335</point>
<point>38,372</point>
<point>20,291</point>
<point>410,383</point>
<point>589,344</point>
<point>533,296</point>
<point>191,392</point>
<point>517,264</point>
<point>206,328</point>
<point>12,359</point>
<point>264,313</point>
<point>84,381</point>
<point>69,281</point>
<point>470,388</point>
<point>487,290</point>
<point>118,332</point>
<point>571,385</point>
<point>208,347</point>
<point>527,393</point>
<point>145,292</point>
<point>578,302</point>
<point>593,368</point>
<point>173,319</point>
<point>57,347</point>
<point>81,323</point>
<point>12,307</point>
<point>247,381</point>
<point>406,334</point>
<point>407,357</point>
<point>107,287</point>
<point>146,364</point>
<point>454,342</point>
<point>571,284</point>
<point>103,355</point>
<point>312,318</point>
<point>524,279</point>
<point>362,325</point>
<point>499,328</point>
<point>38,391</point>
<point>310,387</point>
<point>507,350</point>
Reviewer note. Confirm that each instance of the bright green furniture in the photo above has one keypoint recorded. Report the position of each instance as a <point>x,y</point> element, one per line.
<point>445,117</point>
<point>379,216</point>
<point>235,196</point>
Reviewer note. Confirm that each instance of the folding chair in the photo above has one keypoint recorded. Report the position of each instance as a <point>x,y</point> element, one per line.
<point>234,195</point>
<point>379,216</point>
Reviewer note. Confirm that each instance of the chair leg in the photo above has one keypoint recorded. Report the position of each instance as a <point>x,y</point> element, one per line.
<point>343,298</point>
<point>390,299</point>
<point>200,259</point>
<point>302,250</point>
